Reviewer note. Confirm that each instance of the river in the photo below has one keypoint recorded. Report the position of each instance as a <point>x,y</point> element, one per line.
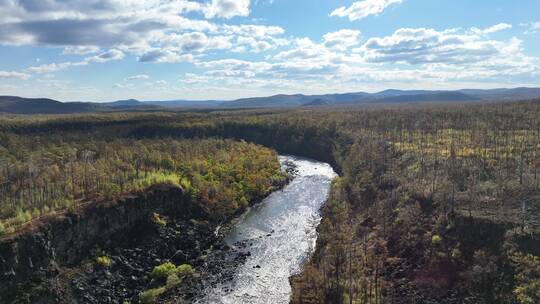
<point>279,233</point>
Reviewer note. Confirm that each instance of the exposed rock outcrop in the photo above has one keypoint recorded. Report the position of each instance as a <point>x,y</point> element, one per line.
<point>47,246</point>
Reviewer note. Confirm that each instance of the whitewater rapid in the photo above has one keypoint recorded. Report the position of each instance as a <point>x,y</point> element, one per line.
<point>280,234</point>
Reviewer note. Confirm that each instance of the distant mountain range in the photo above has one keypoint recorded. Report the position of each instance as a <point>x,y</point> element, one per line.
<point>20,105</point>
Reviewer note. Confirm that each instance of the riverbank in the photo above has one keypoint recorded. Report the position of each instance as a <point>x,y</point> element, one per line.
<point>105,252</point>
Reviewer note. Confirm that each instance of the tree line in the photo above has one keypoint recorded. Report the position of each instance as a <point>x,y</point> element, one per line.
<point>48,172</point>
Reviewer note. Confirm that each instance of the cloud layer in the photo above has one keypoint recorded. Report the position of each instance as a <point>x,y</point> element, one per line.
<point>13,75</point>
<point>226,49</point>
<point>154,30</point>
<point>362,9</point>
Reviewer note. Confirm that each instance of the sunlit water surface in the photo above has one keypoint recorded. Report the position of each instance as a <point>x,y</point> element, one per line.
<point>290,217</point>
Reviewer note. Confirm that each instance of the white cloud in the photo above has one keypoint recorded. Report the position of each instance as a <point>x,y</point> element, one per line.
<point>82,26</point>
<point>159,83</point>
<point>14,75</point>
<point>80,50</point>
<point>303,49</point>
<point>158,55</point>
<point>408,56</point>
<point>532,28</point>
<point>492,29</point>
<point>362,9</point>
<point>160,31</point>
<point>151,30</point>
<point>106,56</point>
<point>191,79</point>
<point>54,67</point>
<point>235,64</point>
<point>421,45</point>
<point>137,77</point>
<point>227,8</point>
<point>341,39</point>
<point>252,30</point>
<point>254,38</point>
<point>185,43</point>
<point>244,43</point>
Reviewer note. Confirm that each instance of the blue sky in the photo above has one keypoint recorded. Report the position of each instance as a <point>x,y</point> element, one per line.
<point>99,50</point>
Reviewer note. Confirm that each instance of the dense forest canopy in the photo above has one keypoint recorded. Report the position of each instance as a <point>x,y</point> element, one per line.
<point>434,203</point>
<point>45,173</point>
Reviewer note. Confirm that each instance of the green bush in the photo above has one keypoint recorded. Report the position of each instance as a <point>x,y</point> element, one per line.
<point>103,261</point>
<point>164,271</point>
<point>150,296</point>
<point>436,239</point>
<point>2,229</point>
<point>184,270</point>
<point>111,190</point>
<point>528,293</point>
<point>168,272</point>
<point>157,219</point>
<point>173,280</point>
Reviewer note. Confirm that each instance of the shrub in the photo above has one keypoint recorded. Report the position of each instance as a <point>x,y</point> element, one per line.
<point>23,217</point>
<point>111,190</point>
<point>456,253</point>
<point>528,293</point>
<point>184,270</point>
<point>157,219</point>
<point>103,261</point>
<point>436,239</point>
<point>173,280</point>
<point>2,229</point>
<point>71,207</point>
<point>150,296</point>
<point>164,271</point>
<point>156,177</point>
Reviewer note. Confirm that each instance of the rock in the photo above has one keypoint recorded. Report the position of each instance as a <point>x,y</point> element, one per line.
<point>134,250</point>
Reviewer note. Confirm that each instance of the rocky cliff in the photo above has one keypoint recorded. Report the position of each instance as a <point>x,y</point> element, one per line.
<point>45,248</point>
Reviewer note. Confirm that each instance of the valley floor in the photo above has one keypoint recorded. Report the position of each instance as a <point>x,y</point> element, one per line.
<point>434,203</point>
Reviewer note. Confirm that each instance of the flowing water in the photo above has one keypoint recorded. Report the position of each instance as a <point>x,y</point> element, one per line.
<point>280,233</point>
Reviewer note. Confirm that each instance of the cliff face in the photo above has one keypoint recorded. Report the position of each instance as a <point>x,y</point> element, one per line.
<point>65,240</point>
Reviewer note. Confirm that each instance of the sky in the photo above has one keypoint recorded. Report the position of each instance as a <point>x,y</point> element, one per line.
<point>103,50</point>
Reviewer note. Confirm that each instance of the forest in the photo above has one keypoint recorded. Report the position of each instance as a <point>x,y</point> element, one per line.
<point>43,174</point>
<point>433,203</point>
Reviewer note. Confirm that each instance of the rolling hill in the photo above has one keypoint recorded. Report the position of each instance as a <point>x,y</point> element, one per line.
<point>20,105</point>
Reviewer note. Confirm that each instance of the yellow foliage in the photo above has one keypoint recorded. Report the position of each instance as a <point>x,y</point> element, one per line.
<point>103,261</point>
